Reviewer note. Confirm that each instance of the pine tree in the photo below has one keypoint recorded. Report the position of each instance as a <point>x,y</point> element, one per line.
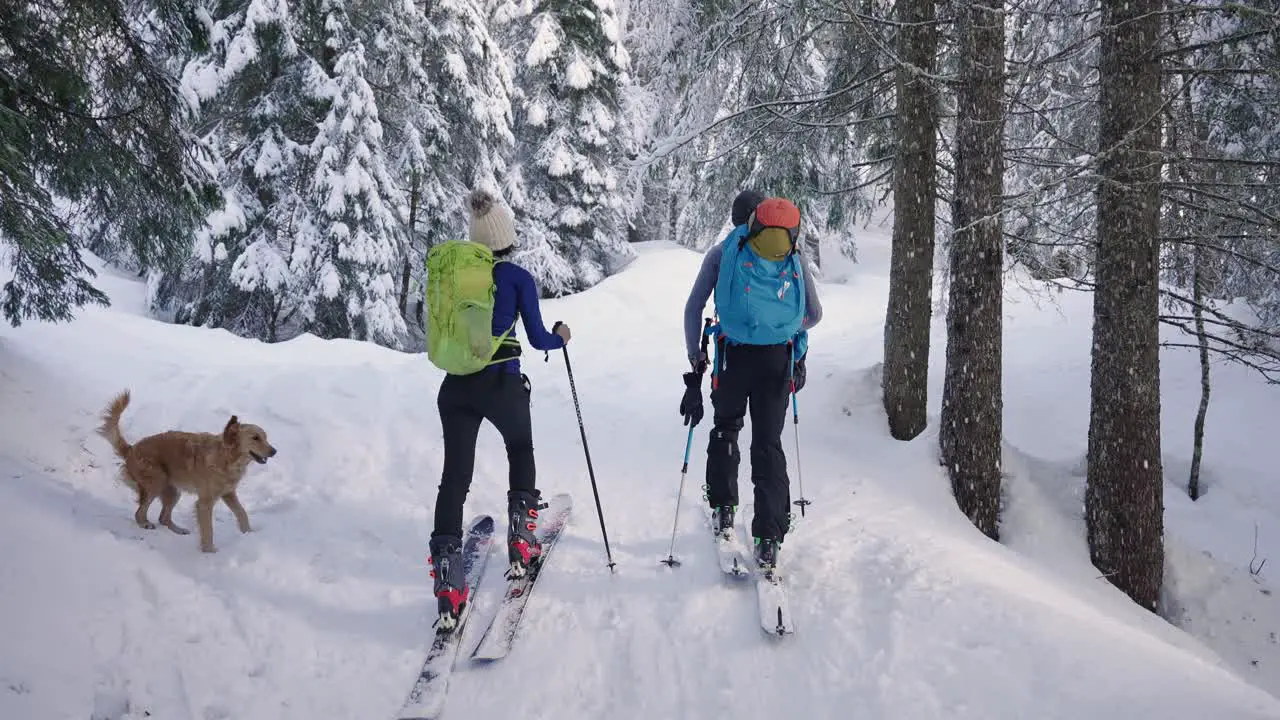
<point>255,258</point>
<point>357,229</point>
<point>461,121</point>
<point>1051,128</point>
<point>569,65</point>
<point>909,310</point>
<point>972,403</point>
<point>313,227</point>
<point>663,41</point>
<point>397,70</point>
<point>1124,503</point>
<point>1217,228</point>
<point>90,119</point>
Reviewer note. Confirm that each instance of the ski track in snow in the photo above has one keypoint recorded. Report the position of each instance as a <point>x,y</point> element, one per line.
<point>324,611</point>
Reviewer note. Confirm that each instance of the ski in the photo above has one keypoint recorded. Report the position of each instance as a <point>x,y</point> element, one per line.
<point>771,593</point>
<point>729,550</point>
<point>501,633</point>
<point>426,698</point>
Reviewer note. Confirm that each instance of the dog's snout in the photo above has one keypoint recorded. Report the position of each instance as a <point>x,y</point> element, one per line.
<point>273,451</point>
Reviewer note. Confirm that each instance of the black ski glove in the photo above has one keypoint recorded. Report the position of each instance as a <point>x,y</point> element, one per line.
<point>691,404</point>
<point>798,373</point>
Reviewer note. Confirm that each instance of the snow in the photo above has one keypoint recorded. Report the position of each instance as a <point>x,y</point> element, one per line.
<point>270,158</point>
<point>260,267</point>
<point>537,114</point>
<point>546,41</point>
<point>903,610</point>
<point>578,74</point>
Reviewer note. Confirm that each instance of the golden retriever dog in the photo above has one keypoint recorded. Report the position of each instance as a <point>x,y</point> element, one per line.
<point>208,465</point>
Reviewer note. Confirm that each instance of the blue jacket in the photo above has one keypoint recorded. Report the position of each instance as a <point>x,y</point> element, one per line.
<point>517,293</point>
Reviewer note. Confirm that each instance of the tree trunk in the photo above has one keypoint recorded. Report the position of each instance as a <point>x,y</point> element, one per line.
<point>1182,119</point>
<point>972,404</point>
<point>415,195</point>
<point>1124,505</point>
<point>1197,294</point>
<point>404,287</point>
<point>673,210</point>
<point>907,317</point>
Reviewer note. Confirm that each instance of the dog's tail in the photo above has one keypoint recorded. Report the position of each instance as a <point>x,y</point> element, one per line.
<point>111,424</point>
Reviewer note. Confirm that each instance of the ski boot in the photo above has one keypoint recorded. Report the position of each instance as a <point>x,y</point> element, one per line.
<point>523,548</point>
<point>722,521</point>
<point>450,578</point>
<point>767,555</point>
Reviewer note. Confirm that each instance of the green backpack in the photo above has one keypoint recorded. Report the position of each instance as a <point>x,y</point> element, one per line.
<point>460,291</point>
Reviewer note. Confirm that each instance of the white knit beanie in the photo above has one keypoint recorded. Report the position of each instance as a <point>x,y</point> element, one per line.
<point>491,222</point>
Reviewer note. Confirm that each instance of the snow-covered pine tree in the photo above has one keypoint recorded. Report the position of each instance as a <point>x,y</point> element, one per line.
<point>251,260</point>
<point>665,43</point>
<point>1220,198</point>
<point>444,90</point>
<point>357,243</point>
<point>1220,241</point>
<point>788,98</point>
<point>691,74</point>
<point>1052,127</point>
<point>89,120</point>
<point>472,89</point>
<point>462,122</point>
<point>396,37</point>
<point>569,63</point>
<point>819,92</point>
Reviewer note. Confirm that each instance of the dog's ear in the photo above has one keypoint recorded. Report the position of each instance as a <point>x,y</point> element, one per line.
<point>231,433</point>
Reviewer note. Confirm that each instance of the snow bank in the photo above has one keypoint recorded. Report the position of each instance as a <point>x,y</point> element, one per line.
<point>903,610</point>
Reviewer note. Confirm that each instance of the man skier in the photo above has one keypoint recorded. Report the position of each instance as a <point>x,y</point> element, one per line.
<point>765,301</point>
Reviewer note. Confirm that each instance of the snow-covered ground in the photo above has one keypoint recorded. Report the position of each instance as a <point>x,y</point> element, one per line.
<point>903,609</point>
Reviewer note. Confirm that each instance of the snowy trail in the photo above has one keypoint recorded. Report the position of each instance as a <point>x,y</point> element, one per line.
<point>902,609</point>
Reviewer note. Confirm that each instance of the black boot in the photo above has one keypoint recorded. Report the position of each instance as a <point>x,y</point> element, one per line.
<point>722,520</point>
<point>767,554</point>
<point>523,548</point>
<point>450,576</point>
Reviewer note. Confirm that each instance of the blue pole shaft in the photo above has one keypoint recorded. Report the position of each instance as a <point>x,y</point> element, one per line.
<point>688,444</point>
<point>684,471</point>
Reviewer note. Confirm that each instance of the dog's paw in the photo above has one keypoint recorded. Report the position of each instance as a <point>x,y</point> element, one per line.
<point>245,528</point>
<point>147,525</point>
<point>208,548</point>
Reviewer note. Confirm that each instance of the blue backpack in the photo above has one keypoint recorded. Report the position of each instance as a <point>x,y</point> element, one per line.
<point>760,301</point>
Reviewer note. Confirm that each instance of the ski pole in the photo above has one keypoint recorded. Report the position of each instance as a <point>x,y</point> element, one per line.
<point>795,421</point>
<point>671,560</point>
<point>590,471</point>
<point>700,368</point>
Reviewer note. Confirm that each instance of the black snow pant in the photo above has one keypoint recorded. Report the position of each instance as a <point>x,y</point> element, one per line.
<point>464,401</point>
<point>758,376</point>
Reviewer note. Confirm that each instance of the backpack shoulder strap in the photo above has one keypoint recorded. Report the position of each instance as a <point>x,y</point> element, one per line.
<point>730,248</point>
<point>505,337</point>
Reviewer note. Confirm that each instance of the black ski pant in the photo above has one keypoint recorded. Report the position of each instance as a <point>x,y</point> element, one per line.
<point>464,401</point>
<point>755,377</point>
